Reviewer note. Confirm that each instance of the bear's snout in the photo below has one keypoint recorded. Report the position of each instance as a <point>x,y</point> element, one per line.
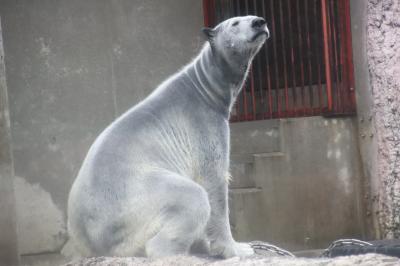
<point>258,23</point>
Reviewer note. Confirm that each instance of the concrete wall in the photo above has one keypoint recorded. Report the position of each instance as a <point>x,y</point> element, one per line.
<point>72,67</point>
<point>366,118</point>
<point>8,233</point>
<point>383,55</point>
<point>376,31</point>
<point>303,182</point>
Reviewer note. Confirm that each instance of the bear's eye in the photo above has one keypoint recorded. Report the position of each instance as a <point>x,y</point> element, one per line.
<point>235,23</point>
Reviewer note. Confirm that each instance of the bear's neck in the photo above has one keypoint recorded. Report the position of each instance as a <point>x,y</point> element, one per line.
<point>217,81</point>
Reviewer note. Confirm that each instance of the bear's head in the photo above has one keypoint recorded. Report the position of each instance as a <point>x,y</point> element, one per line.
<point>238,38</point>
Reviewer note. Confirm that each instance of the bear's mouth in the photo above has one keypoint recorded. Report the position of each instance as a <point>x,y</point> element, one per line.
<point>258,34</point>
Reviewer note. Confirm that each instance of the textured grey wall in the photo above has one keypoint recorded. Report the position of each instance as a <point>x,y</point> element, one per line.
<point>303,186</point>
<point>383,53</point>
<point>376,31</point>
<point>72,67</point>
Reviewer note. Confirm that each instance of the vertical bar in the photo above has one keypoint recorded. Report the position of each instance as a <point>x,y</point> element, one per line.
<point>310,76</point>
<point>349,56</point>
<point>209,12</point>
<point>292,58</point>
<point>244,89</point>
<point>283,48</point>
<point>251,74</point>
<point>253,95</point>
<point>231,9</point>
<point>259,73</point>
<point>300,39</point>
<point>226,11</point>
<point>275,60</point>
<point>337,103</point>
<point>236,9</point>
<point>268,82</point>
<point>332,68</point>
<point>326,54</point>
<point>318,58</point>
<point>238,105</point>
<point>342,54</point>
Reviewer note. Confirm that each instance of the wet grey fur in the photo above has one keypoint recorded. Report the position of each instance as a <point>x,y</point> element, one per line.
<point>155,182</point>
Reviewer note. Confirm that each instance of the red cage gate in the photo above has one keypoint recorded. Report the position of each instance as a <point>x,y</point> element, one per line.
<point>305,68</point>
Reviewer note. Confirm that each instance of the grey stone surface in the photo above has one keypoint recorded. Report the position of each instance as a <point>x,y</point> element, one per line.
<point>307,194</point>
<point>383,53</point>
<point>151,40</point>
<point>366,260</point>
<point>256,137</point>
<point>376,31</point>
<point>8,240</point>
<point>46,259</point>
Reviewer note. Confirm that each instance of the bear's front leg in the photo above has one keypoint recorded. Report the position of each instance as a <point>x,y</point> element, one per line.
<point>218,228</point>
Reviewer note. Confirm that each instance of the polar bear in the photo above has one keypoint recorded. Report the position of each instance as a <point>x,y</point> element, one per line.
<point>155,182</point>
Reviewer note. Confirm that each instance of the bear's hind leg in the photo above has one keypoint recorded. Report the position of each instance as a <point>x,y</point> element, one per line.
<point>183,218</point>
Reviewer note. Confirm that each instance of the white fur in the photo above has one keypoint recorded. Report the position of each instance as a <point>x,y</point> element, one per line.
<point>155,182</point>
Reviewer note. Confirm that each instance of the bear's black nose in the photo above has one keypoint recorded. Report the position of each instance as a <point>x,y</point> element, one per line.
<point>258,23</point>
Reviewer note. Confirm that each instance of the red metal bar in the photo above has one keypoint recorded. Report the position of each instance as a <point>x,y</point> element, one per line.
<point>237,106</point>
<point>331,56</point>
<point>275,58</point>
<point>318,58</point>
<point>343,87</point>
<point>231,8</point>
<point>259,73</point>
<point>334,34</point>
<point>342,53</point>
<point>251,74</point>
<point>300,39</point>
<point>349,57</point>
<point>236,7</point>
<point>326,54</point>
<point>240,102</point>
<point>310,76</point>
<point>245,101</point>
<point>280,71</point>
<point>268,81</point>
<point>246,114</point>
<point>283,48</point>
<point>253,95</point>
<point>209,12</point>
<point>292,58</point>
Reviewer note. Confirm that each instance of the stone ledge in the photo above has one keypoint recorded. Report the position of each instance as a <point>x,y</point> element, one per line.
<point>367,259</point>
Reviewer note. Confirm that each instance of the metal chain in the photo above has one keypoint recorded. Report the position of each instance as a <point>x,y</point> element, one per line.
<point>344,242</point>
<point>271,248</point>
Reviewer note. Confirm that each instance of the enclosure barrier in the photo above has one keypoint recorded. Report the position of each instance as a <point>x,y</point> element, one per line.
<point>305,68</point>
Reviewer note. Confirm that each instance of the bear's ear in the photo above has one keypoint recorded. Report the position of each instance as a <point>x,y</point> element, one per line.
<point>209,33</point>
